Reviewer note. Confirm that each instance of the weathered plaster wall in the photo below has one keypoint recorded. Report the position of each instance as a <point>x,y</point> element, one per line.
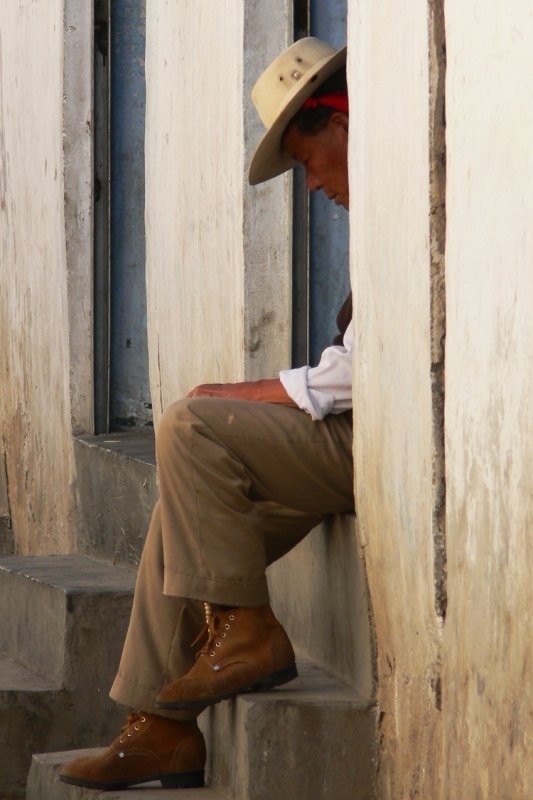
<point>445,499</point>
<point>393,421</point>
<point>216,309</point>
<point>488,665</point>
<point>35,414</point>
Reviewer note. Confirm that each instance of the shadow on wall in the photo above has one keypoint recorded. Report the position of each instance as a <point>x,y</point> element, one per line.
<point>319,591</point>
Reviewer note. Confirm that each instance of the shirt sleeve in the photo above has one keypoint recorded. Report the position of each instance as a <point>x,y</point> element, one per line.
<point>326,388</point>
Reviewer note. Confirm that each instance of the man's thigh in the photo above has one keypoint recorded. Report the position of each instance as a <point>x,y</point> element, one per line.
<point>291,460</point>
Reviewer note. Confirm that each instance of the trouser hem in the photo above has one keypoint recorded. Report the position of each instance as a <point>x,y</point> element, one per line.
<point>132,695</point>
<point>215,590</point>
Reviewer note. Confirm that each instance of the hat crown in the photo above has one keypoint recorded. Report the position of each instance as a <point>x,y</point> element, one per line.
<point>275,86</point>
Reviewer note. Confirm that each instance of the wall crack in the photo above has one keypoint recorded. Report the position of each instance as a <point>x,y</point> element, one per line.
<point>437,162</point>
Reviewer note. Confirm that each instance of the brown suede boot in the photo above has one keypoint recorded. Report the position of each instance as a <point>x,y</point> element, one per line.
<point>247,650</point>
<point>149,748</point>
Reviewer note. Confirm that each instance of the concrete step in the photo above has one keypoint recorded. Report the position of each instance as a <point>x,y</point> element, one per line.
<point>43,784</point>
<point>312,738</point>
<point>64,616</point>
<point>63,623</point>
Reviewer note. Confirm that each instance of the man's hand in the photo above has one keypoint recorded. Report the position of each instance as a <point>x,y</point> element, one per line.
<point>265,391</point>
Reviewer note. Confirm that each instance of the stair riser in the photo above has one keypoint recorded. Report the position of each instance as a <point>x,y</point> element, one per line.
<point>37,722</point>
<point>59,623</point>
<point>116,498</point>
<point>263,750</point>
<point>33,624</point>
<point>95,633</point>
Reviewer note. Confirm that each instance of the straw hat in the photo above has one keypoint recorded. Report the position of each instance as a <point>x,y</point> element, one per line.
<point>281,91</point>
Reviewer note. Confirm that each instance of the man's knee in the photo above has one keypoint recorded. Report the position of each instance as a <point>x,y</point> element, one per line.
<point>182,417</point>
<point>176,421</point>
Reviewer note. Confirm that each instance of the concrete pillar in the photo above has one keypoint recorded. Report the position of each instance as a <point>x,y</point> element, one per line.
<point>488,666</point>
<point>394,444</point>
<point>445,499</point>
<point>77,60</point>
<point>218,252</point>
<point>35,408</point>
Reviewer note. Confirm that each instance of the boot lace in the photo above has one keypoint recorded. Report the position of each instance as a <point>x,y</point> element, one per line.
<point>135,720</point>
<point>214,631</point>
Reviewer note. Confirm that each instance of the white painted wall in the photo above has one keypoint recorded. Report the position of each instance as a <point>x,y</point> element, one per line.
<point>218,307</point>
<point>393,447</point>
<point>488,665</point>
<point>474,741</point>
<point>35,414</point>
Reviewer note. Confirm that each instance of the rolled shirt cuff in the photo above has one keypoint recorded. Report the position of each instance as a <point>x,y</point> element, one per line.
<point>316,403</point>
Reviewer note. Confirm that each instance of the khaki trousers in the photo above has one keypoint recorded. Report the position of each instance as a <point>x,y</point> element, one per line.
<point>241,483</point>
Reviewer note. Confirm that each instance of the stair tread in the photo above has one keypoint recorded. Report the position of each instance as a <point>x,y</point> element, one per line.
<point>313,686</point>
<point>147,791</point>
<point>70,573</point>
<point>17,677</point>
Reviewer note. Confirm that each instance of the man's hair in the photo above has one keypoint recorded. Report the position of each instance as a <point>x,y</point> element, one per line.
<point>313,120</point>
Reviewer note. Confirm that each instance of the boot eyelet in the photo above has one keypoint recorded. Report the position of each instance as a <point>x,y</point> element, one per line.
<point>212,653</point>
<point>143,719</point>
<point>222,635</point>
<point>137,728</point>
<point>218,644</point>
<point>122,741</point>
<point>232,617</point>
<point>226,626</point>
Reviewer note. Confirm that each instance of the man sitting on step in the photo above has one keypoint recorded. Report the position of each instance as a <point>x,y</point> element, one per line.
<point>246,470</point>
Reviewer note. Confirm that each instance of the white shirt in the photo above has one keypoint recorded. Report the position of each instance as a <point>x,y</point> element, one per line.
<point>326,388</point>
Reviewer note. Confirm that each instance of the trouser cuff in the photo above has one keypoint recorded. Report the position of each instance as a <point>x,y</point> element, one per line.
<point>215,590</point>
<point>135,696</point>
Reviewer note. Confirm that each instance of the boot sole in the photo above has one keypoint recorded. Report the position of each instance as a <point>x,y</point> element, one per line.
<point>262,684</point>
<point>170,780</point>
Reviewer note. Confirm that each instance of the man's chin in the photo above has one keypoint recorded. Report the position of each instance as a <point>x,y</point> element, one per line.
<point>342,201</point>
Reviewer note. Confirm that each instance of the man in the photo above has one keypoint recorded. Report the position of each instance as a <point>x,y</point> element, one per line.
<point>246,470</point>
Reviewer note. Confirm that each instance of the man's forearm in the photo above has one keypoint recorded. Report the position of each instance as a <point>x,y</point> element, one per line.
<point>270,390</point>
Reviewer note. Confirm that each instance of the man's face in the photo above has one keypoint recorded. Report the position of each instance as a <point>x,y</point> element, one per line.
<point>324,156</point>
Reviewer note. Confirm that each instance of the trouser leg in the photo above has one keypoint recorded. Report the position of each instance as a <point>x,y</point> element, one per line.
<point>235,474</point>
<point>241,483</point>
<point>157,648</point>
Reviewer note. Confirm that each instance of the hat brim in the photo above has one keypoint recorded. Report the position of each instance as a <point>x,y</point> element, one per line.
<point>269,158</point>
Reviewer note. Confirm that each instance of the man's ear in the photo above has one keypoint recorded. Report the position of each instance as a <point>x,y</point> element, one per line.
<point>340,118</point>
